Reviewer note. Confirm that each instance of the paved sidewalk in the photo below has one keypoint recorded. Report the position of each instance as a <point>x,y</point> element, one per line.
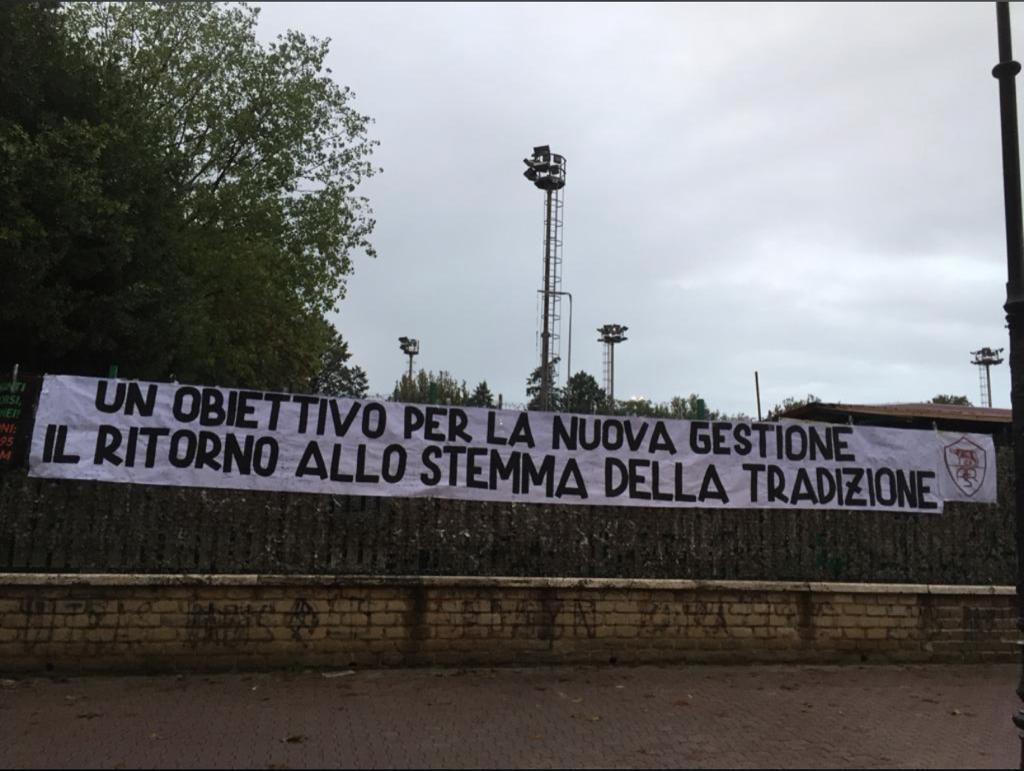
<point>874,716</point>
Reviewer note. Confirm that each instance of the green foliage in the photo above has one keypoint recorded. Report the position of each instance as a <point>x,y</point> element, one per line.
<point>643,408</point>
<point>583,394</point>
<point>336,377</point>
<point>533,384</point>
<point>679,408</point>
<point>428,388</point>
<point>692,407</point>
<point>482,396</point>
<point>789,403</point>
<point>962,401</point>
<point>175,197</point>
<point>88,229</point>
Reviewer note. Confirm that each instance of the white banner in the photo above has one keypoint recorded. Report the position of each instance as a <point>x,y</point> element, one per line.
<point>195,436</point>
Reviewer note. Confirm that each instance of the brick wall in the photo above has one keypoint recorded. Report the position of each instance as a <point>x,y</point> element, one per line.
<point>152,623</point>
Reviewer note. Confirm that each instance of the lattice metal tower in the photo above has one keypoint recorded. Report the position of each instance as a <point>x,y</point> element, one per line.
<point>984,358</point>
<point>410,347</point>
<point>547,171</point>
<point>611,335</point>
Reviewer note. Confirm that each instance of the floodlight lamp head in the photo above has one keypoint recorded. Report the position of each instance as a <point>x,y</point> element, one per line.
<point>987,356</point>
<point>546,169</point>
<point>612,333</point>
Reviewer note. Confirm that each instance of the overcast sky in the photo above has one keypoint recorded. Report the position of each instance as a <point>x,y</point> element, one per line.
<point>811,191</point>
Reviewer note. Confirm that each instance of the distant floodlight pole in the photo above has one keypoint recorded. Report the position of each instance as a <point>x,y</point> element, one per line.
<point>986,357</point>
<point>1006,72</point>
<point>410,347</point>
<point>547,171</point>
<point>611,335</point>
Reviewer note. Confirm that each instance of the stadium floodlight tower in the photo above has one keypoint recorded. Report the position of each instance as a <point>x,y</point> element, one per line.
<point>410,347</point>
<point>546,170</point>
<point>984,358</point>
<point>611,335</point>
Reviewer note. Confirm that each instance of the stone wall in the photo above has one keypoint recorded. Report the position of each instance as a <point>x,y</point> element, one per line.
<point>74,623</point>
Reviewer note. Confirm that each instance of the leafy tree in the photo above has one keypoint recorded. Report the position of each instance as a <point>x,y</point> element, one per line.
<point>428,388</point>
<point>533,384</point>
<point>789,403</point>
<point>643,408</point>
<point>963,401</point>
<point>692,407</point>
<point>482,396</point>
<point>583,394</point>
<point>336,377</point>
<point>88,227</point>
<point>175,196</point>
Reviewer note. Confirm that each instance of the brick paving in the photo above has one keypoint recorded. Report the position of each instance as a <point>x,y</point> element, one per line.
<point>649,717</point>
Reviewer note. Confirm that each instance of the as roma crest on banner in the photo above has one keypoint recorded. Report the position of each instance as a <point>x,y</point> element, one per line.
<point>966,462</point>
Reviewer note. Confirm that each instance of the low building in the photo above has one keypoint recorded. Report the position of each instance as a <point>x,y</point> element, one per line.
<point>945,417</point>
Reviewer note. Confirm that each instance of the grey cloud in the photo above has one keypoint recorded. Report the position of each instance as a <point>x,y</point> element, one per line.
<point>810,190</point>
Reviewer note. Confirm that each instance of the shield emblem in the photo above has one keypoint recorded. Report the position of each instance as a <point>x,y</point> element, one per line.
<point>966,463</point>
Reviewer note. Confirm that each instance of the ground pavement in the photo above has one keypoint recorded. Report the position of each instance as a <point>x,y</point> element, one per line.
<point>871,716</point>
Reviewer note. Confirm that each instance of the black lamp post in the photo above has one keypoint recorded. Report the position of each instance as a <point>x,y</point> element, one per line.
<point>1006,72</point>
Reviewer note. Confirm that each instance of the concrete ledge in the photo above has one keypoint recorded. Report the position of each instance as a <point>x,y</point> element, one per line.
<point>488,582</point>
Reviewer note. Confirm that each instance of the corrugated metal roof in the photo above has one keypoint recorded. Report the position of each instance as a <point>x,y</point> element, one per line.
<point>905,410</point>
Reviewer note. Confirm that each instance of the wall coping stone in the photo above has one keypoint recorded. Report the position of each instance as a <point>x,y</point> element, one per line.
<point>46,580</point>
